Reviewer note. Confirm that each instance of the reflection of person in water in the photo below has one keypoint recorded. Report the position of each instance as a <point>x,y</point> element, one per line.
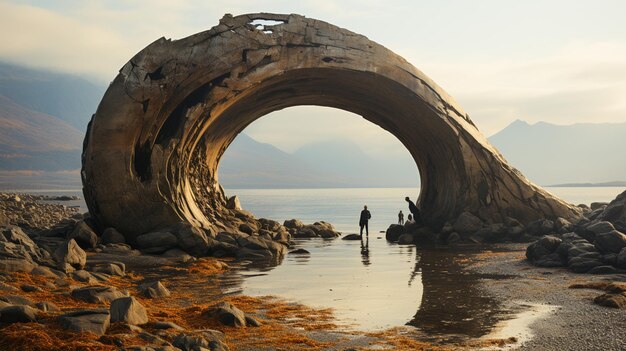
<point>365,217</point>
<point>365,252</point>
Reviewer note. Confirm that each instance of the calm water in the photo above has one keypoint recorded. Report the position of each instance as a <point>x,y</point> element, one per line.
<point>375,284</point>
<point>371,284</point>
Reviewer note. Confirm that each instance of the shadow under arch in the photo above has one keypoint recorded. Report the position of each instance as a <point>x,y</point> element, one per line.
<point>152,149</point>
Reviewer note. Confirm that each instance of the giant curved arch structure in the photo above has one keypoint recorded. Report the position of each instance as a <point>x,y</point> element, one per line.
<point>152,149</point>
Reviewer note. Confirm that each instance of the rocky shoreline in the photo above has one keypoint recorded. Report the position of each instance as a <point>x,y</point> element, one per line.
<point>60,278</point>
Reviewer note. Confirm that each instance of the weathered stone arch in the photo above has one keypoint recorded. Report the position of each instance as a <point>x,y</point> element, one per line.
<point>152,149</point>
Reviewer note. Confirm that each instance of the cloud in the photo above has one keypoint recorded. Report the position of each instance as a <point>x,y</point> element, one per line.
<point>566,67</point>
<point>581,82</point>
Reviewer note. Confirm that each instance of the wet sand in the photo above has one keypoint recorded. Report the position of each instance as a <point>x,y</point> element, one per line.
<point>567,318</point>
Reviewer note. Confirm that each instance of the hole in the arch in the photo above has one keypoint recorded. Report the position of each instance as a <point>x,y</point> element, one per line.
<point>319,154</point>
<point>265,25</point>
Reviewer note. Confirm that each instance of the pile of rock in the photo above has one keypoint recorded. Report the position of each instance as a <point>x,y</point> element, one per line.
<point>28,212</point>
<point>596,244</point>
<point>320,229</point>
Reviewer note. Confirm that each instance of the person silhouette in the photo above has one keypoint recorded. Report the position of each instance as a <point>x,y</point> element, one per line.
<point>363,221</point>
<point>400,218</point>
<point>414,210</point>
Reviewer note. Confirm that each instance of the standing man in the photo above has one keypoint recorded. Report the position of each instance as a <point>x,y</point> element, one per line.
<point>365,217</point>
<point>401,218</point>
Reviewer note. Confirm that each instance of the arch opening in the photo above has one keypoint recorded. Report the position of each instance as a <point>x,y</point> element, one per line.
<point>313,147</point>
<point>153,147</point>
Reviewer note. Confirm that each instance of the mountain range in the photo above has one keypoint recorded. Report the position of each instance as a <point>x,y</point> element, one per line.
<point>43,117</point>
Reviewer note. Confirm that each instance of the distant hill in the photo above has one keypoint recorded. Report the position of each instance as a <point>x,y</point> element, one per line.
<point>67,97</point>
<point>554,154</point>
<point>250,164</point>
<point>590,185</point>
<point>31,140</point>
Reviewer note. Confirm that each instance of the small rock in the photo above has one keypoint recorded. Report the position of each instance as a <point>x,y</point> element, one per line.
<point>91,321</point>
<point>233,203</point>
<point>11,266</point>
<point>83,276</point>
<point>47,272</point>
<point>97,294</point>
<point>603,270</point>
<point>252,322</point>
<point>167,325</point>
<point>352,237</point>
<point>17,300</point>
<point>110,269</point>
<point>293,223</point>
<point>18,314</point>
<point>300,252</point>
<point>406,239</point>
<point>154,290</point>
<point>228,314</point>
<point>611,300</point>
<point>71,254</point>
<point>47,307</point>
<point>84,236</point>
<point>129,310</point>
<point>29,288</point>
<point>394,232</point>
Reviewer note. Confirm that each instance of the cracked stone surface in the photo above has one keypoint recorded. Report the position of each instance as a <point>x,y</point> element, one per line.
<point>152,149</point>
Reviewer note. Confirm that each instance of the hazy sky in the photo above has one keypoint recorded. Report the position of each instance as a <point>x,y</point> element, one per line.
<point>557,61</point>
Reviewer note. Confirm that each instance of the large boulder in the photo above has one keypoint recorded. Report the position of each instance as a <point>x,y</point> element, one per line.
<point>542,247</point>
<point>15,244</point>
<point>207,340</point>
<point>611,242</point>
<point>84,235</point>
<point>540,227</point>
<point>112,236</point>
<point>160,240</point>
<point>394,232</point>
<point>87,321</point>
<point>70,254</point>
<point>467,223</point>
<point>128,310</point>
<point>615,212</point>
<point>193,240</point>
<point>600,227</point>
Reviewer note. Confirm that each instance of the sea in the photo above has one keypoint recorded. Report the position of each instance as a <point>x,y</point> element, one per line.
<point>370,284</point>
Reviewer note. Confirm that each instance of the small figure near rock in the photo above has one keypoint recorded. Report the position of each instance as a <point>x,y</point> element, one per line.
<point>409,219</point>
<point>414,211</point>
<point>363,221</point>
<point>401,218</point>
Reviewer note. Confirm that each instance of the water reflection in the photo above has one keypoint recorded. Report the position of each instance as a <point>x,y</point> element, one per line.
<point>452,302</point>
<point>438,298</point>
<point>365,251</point>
